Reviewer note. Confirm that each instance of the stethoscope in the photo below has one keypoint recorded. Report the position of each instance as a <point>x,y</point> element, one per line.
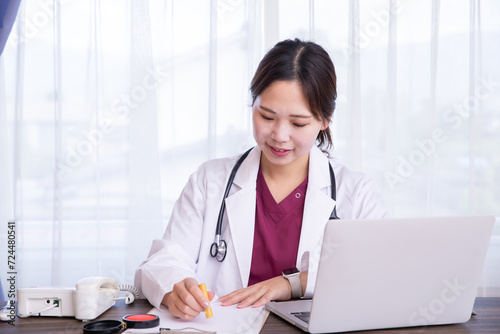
<point>219,247</point>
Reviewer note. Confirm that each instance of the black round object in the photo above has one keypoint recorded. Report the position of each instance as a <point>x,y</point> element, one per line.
<point>141,320</point>
<point>103,327</point>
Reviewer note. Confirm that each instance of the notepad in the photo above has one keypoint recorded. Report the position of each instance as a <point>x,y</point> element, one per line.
<point>225,320</point>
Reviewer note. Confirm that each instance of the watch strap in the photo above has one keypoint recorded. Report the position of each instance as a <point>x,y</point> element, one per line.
<point>295,284</point>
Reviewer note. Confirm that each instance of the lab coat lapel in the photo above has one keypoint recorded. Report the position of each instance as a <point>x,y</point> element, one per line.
<point>240,207</point>
<point>318,203</point>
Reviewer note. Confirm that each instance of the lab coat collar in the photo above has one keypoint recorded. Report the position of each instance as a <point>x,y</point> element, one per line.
<point>318,203</point>
<point>247,173</point>
<point>240,207</point>
<point>319,172</point>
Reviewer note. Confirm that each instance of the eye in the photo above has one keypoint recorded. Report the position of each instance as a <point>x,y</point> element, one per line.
<point>299,125</point>
<point>266,118</point>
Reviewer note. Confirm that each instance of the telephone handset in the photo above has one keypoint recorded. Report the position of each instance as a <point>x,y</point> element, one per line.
<point>94,295</point>
<point>86,301</point>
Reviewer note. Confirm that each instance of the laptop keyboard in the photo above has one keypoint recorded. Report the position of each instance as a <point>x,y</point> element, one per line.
<point>304,316</point>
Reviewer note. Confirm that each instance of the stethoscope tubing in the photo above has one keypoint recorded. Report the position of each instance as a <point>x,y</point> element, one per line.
<point>218,249</point>
<point>333,187</point>
<point>226,192</point>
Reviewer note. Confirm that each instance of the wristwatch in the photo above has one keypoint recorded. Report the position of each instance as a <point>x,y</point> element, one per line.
<point>293,277</point>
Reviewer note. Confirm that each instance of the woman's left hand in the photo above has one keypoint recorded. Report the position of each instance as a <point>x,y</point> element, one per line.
<point>276,288</point>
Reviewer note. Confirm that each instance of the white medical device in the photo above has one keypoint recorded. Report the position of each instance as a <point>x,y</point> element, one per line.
<point>89,299</point>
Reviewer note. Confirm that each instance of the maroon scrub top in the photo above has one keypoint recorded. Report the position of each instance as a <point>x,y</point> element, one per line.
<point>277,231</point>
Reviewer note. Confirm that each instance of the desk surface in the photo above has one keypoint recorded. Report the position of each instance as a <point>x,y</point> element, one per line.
<point>486,321</point>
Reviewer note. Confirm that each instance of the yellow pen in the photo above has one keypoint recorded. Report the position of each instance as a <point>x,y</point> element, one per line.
<point>208,311</point>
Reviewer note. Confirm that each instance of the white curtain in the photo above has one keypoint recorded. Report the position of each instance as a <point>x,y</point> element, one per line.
<point>107,106</point>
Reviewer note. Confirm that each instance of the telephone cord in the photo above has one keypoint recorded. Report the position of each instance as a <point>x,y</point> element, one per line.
<point>130,288</point>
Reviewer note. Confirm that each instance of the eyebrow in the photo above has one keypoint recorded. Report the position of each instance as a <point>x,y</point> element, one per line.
<point>293,116</point>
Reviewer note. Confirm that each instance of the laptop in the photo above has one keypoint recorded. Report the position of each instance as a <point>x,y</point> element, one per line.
<point>390,273</point>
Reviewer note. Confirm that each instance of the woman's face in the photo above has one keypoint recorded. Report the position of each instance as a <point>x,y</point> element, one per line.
<point>283,126</point>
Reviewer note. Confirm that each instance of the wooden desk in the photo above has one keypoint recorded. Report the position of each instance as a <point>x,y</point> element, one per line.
<point>486,321</point>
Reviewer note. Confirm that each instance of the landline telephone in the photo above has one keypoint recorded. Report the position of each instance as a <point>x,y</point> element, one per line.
<point>86,301</point>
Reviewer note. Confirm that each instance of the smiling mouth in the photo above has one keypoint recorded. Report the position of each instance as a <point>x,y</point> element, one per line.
<point>278,149</point>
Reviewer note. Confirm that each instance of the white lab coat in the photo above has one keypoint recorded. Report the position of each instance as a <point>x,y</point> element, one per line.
<point>184,250</point>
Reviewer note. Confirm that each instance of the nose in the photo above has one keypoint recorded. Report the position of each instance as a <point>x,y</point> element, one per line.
<point>280,132</point>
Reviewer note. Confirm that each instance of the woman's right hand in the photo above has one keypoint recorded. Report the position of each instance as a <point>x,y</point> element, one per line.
<point>186,300</point>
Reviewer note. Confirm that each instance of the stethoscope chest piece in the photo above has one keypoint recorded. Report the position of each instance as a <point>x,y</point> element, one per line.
<point>219,250</point>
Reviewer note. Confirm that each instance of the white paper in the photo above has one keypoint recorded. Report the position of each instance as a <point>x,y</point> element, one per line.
<point>225,320</point>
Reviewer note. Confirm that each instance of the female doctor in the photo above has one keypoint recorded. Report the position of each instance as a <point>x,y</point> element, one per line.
<point>279,202</point>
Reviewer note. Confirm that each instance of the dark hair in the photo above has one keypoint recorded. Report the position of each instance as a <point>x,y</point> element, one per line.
<point>308,64</point>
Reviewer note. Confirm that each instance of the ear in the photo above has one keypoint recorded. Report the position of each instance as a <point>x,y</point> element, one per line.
<point>326,123</point>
